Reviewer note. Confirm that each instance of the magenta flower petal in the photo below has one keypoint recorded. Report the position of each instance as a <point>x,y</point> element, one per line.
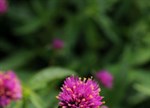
<point>105,78</point>
<point>3,6</point>
<point>77,93</point>
<point>10,88</point>
<point>57,43</point>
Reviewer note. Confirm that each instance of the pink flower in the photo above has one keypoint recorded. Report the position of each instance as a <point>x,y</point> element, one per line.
<point>3,6</point>
<point>105,78</point>
<point>10,88</point>
<point>57,43</point>
<point>78,93</point>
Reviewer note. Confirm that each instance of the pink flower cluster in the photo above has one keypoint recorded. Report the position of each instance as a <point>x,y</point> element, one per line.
<point>78,93</point>
<point>105,78</point>
<point>10,88</point>
<point>57,43</point>
<point>3,6</point>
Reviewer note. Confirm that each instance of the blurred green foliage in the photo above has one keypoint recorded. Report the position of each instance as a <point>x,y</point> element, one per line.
<point>98,34</point>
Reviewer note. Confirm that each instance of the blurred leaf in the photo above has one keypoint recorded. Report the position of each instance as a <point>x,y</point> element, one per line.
<point>143,5</point>
<point>123,8</point>
<point>136,99</point>
<point>24,75</point>
<point>18,104</point>
<point>16,60</point>
<point>36,100</point>
<point>71,34</point>
<point>138,56</point>
<point>106,24</point>
<point>38,7</point>
<point>139,75</point>
<point>20,12</point>
<point>31,99</point>
<point>30,27</point>
<point>120,74</point>
<point>52,96</point>
<point>93,39</point>
<point>42,78</point>
<point>143,89</point>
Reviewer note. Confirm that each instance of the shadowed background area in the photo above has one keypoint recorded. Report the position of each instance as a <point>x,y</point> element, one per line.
<point>44,41</point>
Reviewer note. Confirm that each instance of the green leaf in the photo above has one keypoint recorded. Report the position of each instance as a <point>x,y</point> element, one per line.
<point>36,100</point>
<point>108,27</point>
<point>92,36</point>
<point>42,78</point>
<point>30,96</point>
<point>141,76</point>
<point>143,89</point>
<point>120,74</point>
<point>136,99</point>
<point>141,56</point>
<point>16,60</point>
<point>24,75</point>
<point>30,27</point>
<point>18,104</point>
<point>138,56</point>
<point>141,86</point>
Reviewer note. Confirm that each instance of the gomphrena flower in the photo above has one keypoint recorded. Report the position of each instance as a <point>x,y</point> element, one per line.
<point>105,78</point>
<point>3,6</point>
<point>10,88</point>
<point>78,93</point>
<point>57,43</point>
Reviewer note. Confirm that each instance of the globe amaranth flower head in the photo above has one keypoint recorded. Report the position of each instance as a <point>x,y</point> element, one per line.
<point>57,43</point>
<point>3,6</point>
<point>10,88</point>
<point>78,93</point>
<point>105,78</point>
